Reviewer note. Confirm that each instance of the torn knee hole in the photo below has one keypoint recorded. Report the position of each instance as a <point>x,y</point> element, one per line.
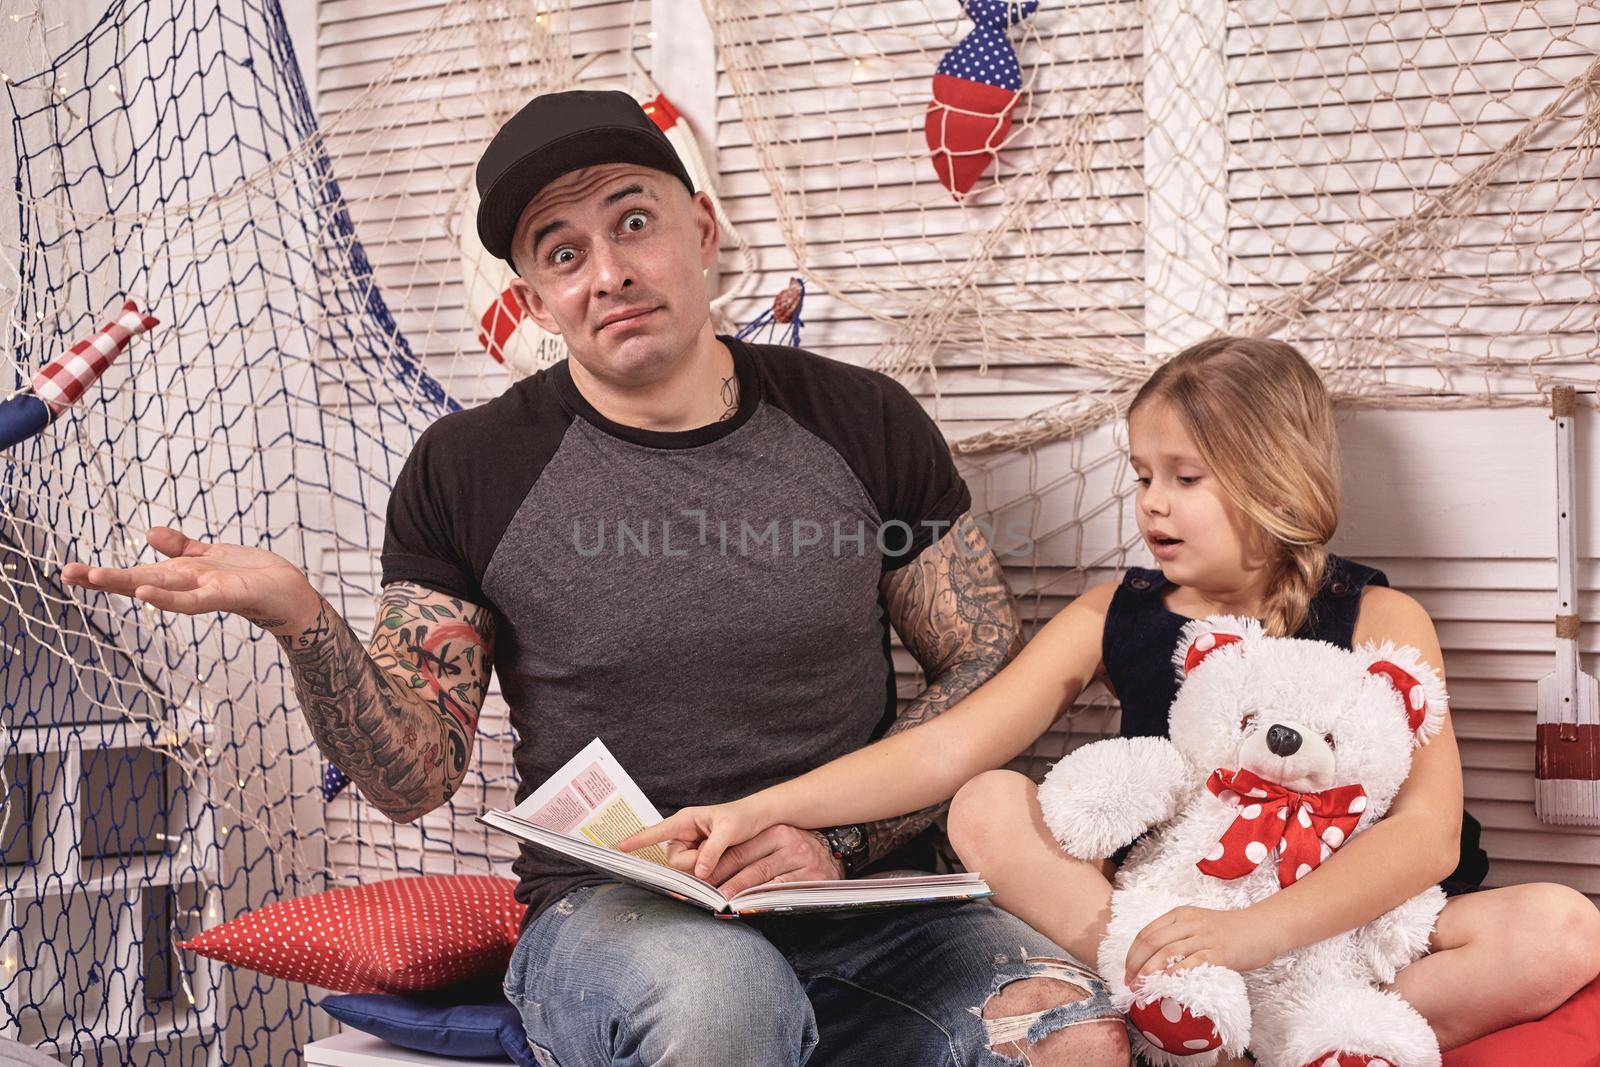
<point>1031,996</point>
<point>1025,1008</point>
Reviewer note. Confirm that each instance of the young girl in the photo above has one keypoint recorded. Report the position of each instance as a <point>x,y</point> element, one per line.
<point>1234,445</point>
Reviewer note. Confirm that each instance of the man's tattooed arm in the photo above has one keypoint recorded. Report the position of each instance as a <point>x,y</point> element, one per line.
<point>953,609</point>
<point>397,715</point>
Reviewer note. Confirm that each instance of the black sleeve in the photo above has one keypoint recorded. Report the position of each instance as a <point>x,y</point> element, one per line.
<point>923,490</point>
<point>880,430</point>
<point>419,538</point>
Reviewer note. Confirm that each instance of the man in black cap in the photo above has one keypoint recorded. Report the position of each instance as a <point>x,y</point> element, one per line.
<point>691,548</point>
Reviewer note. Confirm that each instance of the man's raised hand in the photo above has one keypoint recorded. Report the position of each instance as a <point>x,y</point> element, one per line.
<point>197,577</point>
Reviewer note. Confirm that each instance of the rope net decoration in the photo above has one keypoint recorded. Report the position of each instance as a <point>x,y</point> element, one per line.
<point>1404,191</point>
<point>158,774</point>
<point>1407,192</point>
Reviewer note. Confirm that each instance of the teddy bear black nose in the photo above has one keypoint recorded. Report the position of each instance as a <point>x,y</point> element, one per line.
<point>1283,741</point>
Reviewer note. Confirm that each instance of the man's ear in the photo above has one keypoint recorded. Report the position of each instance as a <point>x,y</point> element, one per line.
<point>705,222</point>
<point>533,307</point>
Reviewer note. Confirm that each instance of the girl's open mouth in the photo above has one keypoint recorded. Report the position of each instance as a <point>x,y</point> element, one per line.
<point>1164,547</point>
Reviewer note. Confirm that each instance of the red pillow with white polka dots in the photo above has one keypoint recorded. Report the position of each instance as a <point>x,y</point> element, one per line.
<point>405,935</point>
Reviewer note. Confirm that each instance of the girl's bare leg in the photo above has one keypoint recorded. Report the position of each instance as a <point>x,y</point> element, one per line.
<point>1501,957</point>
<point>997,829</point>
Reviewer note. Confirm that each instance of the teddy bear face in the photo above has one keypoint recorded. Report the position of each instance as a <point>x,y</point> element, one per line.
<point>1306,715</point>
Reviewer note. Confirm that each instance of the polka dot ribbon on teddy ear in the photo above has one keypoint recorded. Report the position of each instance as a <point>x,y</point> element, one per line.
<point>1410,690</point>
<point>1206,644</point>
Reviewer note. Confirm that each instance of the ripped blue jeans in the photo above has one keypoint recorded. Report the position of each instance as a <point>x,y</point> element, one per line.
<point>613,974</point>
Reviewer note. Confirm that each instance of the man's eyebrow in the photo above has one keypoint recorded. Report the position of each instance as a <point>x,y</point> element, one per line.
<point>546,230</point>
<point>626,191</point>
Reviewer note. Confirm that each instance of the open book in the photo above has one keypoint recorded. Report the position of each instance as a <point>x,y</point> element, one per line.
<point>591,803</point>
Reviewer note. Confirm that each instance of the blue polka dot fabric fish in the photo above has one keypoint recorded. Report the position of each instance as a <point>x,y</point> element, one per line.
<point>975,89</point>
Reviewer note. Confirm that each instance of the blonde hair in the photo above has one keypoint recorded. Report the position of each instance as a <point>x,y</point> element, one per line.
<point>1263,421</point>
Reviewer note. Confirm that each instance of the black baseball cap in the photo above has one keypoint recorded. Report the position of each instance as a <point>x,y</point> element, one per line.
<point>555,134</point>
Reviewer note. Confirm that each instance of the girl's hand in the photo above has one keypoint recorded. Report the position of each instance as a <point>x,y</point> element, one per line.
<point>777,854</point>
<point>1187,937</point>
<point>709,831</point>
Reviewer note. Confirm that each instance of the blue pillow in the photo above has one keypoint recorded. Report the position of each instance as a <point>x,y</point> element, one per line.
<point>443,1027</point>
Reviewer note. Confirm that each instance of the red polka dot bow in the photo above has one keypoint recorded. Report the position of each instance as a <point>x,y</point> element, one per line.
<point>1304,828</point>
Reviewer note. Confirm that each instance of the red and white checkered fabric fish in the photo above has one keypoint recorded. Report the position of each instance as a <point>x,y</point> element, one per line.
<point>62,381</point>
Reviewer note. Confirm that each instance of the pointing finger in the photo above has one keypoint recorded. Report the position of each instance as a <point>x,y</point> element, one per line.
<point>676,827</point>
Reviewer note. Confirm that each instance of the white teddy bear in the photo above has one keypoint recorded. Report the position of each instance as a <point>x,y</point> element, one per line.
<point>1280,750</point>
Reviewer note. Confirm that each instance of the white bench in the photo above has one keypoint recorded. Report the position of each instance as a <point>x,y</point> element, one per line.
<point>355,1049</point>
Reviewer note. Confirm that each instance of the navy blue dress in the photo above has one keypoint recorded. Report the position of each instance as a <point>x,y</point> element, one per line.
<point>1141,634</point>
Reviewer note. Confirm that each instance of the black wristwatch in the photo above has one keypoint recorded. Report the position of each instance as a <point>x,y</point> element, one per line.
<point>848,845</point>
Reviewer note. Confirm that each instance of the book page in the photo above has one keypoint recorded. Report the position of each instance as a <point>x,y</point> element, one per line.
<point>628,868</point>
<point>593,797</point>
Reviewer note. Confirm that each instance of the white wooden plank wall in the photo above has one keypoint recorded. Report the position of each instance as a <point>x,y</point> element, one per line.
<point>1457,507</point>
<point>882,210</point>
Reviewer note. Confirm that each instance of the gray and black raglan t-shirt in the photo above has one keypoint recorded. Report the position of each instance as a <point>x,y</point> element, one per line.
<point>705,601</point>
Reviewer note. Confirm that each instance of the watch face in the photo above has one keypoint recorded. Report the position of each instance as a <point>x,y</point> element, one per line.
<point>849,839</point>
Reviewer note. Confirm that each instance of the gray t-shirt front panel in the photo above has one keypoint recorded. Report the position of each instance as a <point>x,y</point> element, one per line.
<point>694,609</point>
<point>706,601</point>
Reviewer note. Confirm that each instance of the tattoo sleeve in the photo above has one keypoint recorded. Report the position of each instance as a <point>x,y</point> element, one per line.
<point>397,715</point>
<point>953,609</point>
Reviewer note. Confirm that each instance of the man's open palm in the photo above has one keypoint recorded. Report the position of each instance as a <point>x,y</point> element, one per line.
<point>197,577</point>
